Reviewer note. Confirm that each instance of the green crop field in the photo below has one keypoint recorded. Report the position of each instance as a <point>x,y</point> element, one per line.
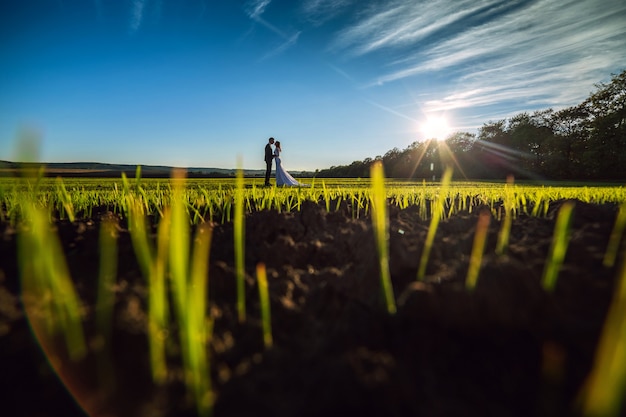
<point>170,224</point>
<point>213,198</point>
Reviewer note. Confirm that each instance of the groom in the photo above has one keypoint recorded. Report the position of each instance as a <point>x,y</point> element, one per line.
<point>269,155</point>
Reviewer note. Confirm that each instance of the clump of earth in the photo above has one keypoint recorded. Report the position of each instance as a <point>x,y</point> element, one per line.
<point>506,348</point>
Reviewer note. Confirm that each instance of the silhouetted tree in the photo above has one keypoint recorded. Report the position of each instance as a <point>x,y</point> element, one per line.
<point>565,150</point>
<point>587,141</point>
<point>606,110</point>
<point>461,146</point>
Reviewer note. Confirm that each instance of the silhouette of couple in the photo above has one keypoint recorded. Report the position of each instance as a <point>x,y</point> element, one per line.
<point>283,178</point>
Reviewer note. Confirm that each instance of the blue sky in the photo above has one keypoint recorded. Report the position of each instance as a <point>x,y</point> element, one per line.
<point>203,83</point>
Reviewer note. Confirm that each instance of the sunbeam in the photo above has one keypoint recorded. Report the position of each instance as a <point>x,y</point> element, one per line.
<point>446,155</point>
<point>508,158</point>
<point>420,157</point>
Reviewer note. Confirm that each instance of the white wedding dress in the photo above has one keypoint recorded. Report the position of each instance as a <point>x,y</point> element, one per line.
<point>282,176</point>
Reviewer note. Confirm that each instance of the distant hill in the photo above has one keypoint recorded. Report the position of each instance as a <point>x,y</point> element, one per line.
<point>98,169</point>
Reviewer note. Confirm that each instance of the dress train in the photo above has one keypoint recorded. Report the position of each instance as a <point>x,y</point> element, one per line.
<point>283,178</point>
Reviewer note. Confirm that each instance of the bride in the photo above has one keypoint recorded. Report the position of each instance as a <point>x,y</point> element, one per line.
<point>282,176</point>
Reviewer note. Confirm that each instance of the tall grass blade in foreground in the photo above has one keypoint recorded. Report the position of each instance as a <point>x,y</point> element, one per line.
<point>179,244</point>
<point>616,237</point>
<point>153,268</point>
<point>476,258</point>
<point>106,298</point>
<point>198,324</point>
<point>437,213</point>
<point>381,233</point>
<point>558,248</point>
<point>239,239</point>
<point>158,313</point>
<point>107,275</point>
<point>50,299</point>
<point>189,278</point>
<point>605,390</point>
<point>179,265</point>
<point>264,299</point>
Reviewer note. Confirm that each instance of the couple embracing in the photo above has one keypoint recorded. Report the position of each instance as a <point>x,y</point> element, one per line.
<point>282,176</point>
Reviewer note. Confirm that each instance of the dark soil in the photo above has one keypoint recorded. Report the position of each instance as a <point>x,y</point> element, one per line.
<point>508,348</point>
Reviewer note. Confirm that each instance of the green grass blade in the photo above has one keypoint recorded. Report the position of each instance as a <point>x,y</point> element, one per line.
<point>616,237</point>
<point>558,248</point>
<point>239,239</point>
<point>47,286</point>
<point>434,223</point>
<point>106,298</point>
<point>198,371</point>
<point>264,299</point>
<point>605,390</point>
<point>381,233</point>
<point>505,228</point>
<point>138,176</point>
<point>478,249</point>
<point>139,236</point>
<point>66,199</point>
<point>179,243</point>
<point>107,275</point>
<point>157,301</point>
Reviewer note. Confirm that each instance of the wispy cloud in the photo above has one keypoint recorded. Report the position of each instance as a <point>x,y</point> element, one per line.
<point>283,47</point>
<point>255,9</point>
<point>403,23</point>
<point>137,13</point>
<point>545,60</point>
<point>319,12</point>
<point>537,52</point>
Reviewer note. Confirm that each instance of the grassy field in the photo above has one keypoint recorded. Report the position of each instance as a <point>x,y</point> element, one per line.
<point>169,225</point>
<point>214,197</point>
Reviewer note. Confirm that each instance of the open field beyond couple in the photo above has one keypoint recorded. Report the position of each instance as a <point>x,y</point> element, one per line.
<point>283,178</point>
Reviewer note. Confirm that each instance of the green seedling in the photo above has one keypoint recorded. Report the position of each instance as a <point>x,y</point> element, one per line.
<point>153,268</point>
<point>106,298</point>
<point>509,209</point>
<point>616,237</point>
<point>326,196</point>
<point>558,248</point>
<point>605,389</point>
<point>65,198</point>
<point>478,249</point>
<point>213,198</point>
<point>438,209</point>
<point>189,277</point>
<point>381,233</point>
<point>158,306</point>
<point>239,239</point>
<point>138,177</point>
<point>178,257</point>
<point>198,325</point>
<point>264,299</point>
<point>179,243</point>
<point>49,296</point>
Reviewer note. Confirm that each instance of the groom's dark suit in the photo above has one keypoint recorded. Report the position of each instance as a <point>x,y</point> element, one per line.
<point>268,160</point>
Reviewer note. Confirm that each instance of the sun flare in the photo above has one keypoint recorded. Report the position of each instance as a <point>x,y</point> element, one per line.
<point>435,128</point>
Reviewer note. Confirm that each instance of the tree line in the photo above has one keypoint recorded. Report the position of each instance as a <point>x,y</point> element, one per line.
<point>583,142</point>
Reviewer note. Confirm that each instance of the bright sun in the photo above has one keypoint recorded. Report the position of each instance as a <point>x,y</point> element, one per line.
<point>435,128</point>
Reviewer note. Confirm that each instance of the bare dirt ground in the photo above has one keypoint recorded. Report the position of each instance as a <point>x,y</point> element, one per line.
<point>508,348</point>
